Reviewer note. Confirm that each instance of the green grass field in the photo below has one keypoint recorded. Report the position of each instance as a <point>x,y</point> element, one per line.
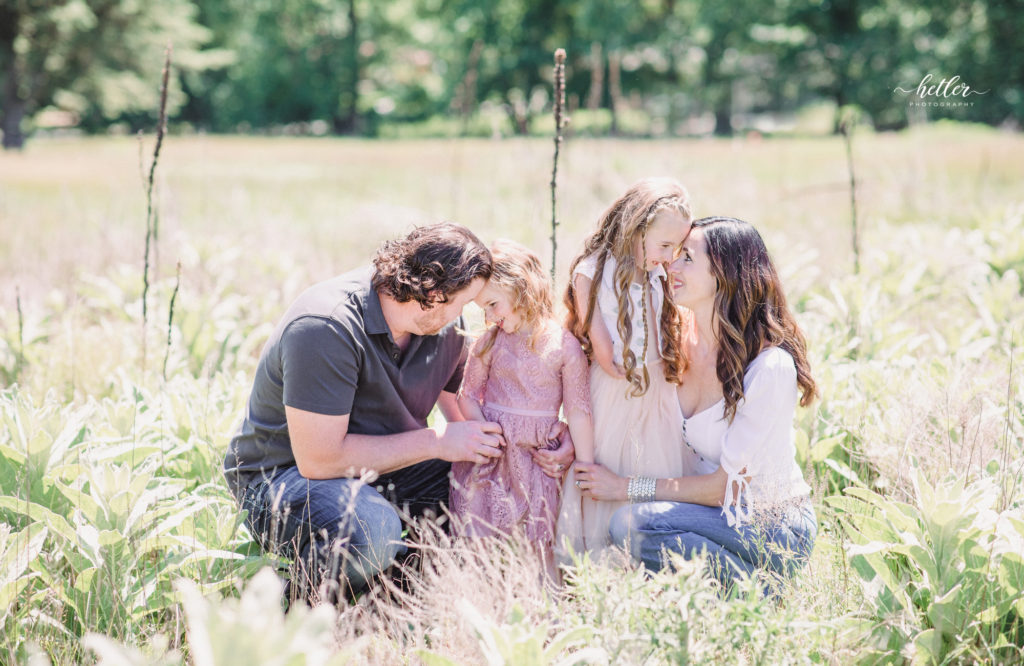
<point>119,542</point>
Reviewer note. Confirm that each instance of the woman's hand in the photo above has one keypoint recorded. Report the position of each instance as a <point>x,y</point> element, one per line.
<point>599,483</point>
<point>554,462</point>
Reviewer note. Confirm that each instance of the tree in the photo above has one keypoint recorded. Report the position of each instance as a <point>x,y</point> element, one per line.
<point>504,49</point>
<point>295,60</point>
<point>100,59</point>
<point>342,63</point>
<point>613,30</point>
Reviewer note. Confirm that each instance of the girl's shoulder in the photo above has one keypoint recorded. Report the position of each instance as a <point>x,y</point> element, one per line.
<point>484,341</point>
<point>567,340</point>
<point>555,336</point>
<point>587,266</point>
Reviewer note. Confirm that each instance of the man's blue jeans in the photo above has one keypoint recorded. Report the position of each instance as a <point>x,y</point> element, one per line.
<point>779,545</point>
<point>340,532</point>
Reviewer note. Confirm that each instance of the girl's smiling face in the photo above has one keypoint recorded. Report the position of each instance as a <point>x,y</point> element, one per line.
<point>665,235</point>
<point>690,274</point>
<point>497,306</point>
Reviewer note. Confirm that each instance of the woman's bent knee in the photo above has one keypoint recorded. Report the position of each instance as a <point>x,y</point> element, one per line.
<point>622,527</point>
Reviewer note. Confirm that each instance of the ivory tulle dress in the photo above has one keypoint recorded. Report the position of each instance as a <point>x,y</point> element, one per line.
<point>520,388</point>
<point>633,436</point>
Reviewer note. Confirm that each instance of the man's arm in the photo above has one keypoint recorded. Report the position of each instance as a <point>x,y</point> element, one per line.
<point>448,403</point>
<point>324,449</point>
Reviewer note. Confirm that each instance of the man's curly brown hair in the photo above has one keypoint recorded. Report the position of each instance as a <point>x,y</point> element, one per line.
<point>430,264</point>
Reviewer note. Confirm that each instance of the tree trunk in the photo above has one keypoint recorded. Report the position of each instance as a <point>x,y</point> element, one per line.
<point>346,120</point>
<point>723,121</point>
<point>466,98</point>
<point>519,113</point>
<point>11,125</point>
<point>723,111</point>
<point>596,77</point>
<point>13,112</point>
<point>674,118</point>
<point>719,87</point>
<point>12,106</point>
<point>615,88</point>
<point>837,119</point>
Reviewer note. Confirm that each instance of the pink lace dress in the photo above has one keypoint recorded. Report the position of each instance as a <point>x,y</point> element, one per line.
<point>521,389</point>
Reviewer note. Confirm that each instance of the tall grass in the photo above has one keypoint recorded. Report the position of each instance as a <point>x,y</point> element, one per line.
<point>120,543</point>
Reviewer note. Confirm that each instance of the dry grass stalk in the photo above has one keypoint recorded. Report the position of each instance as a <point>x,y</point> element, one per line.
<point>846,128</point>
<point>425,605</point>
<point>559,123</point>
<point>21,331</point>
<point>1009,490</point>
<point>170,318</point>
<point>151,225</point>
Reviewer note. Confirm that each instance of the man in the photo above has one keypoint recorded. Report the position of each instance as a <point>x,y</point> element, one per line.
<point>342,393</point>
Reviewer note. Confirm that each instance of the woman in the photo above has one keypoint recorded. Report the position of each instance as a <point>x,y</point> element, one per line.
<point>748,505</point>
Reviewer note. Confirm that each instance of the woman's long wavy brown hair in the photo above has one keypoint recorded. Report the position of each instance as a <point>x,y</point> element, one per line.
<point>750,308</point>
<point>621,231</point>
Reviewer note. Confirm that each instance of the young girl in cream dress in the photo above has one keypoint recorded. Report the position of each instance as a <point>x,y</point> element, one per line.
<point>618,309</point>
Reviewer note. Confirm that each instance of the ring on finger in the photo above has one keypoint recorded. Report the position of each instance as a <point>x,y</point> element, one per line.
<point>578,484</point>
<point>559,467</point>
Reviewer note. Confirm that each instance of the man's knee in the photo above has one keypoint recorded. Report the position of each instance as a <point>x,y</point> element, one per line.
<point>376,531</point>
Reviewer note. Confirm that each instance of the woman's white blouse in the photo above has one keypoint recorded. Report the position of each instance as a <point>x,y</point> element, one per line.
<point>609,304</point>
<point>759,441</point>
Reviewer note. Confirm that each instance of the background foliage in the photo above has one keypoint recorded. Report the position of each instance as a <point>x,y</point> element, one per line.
<point>457,67</point>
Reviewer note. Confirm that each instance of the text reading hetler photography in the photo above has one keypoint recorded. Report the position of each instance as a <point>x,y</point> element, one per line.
<point>947,92</point>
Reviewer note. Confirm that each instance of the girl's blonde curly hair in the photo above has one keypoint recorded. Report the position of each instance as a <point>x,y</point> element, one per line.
<point>518,270</point>
<point>621,233</point>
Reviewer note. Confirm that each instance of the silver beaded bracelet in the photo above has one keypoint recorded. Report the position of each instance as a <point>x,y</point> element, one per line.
<point>641,489</point>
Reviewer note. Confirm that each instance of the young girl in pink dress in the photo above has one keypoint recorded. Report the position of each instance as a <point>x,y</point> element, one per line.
<point>618,310</point>
<point>520,371</point>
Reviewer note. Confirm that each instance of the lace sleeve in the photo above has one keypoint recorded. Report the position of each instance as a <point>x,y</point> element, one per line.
<point>575,376</point>
<point>474,382</point>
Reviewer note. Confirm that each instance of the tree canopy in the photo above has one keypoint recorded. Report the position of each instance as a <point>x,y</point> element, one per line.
<point>357,66</point>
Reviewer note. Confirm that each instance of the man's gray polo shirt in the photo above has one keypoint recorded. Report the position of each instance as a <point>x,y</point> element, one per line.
<point>333,353</point>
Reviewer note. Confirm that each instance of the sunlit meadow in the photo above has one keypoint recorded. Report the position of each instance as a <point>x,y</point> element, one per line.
<point>119,542</point>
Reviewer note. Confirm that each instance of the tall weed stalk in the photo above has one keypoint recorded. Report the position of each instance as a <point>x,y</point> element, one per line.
<point>151,210</point>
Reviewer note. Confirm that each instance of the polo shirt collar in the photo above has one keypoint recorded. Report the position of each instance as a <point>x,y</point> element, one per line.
<point>373,315</point>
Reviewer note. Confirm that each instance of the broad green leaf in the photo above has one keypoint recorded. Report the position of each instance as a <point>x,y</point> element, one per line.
<point>828,447</point>
<point>40,513</point>
<point>18,551</point>
<point>83,581</point>
<point>946,612</point>
<point>928,645</point>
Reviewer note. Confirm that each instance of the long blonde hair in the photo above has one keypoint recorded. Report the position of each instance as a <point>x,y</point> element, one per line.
<point>621,230</point>
<point>518,270</point>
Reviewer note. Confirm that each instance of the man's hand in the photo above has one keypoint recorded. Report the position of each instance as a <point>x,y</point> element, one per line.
<point>469,441</point>
<point>554,462</point>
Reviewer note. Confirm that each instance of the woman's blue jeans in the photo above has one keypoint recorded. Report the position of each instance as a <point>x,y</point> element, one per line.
<point>339,532</point>
<point>651,530</point>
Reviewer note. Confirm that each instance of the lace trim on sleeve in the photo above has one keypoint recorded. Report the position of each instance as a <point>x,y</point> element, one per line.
<point>474,383</point>
<point>575,376</point>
